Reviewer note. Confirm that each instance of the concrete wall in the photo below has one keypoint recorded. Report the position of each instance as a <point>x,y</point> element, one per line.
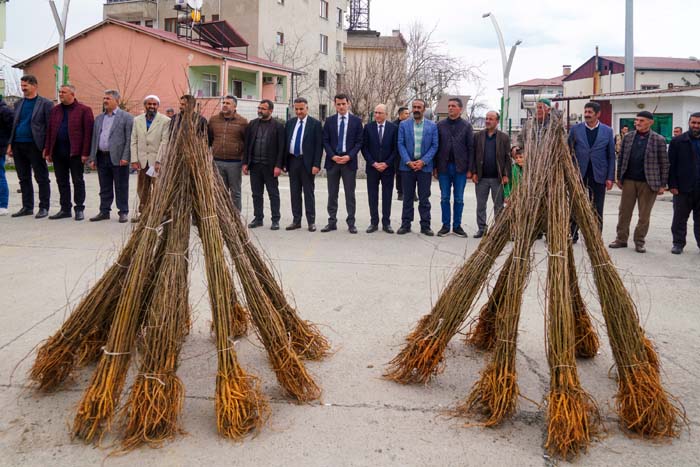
<point>680,106</point>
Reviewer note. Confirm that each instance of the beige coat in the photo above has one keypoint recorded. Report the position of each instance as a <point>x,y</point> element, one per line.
<point>146,144</point>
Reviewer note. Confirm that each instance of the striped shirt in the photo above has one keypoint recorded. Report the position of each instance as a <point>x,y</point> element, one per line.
<point>418,138</point>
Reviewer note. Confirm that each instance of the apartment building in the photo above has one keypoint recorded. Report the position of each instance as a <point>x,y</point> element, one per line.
<point>306,35</point>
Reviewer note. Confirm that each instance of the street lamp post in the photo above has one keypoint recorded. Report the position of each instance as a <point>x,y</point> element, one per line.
<point>61,22</point>
<point>507,61</point>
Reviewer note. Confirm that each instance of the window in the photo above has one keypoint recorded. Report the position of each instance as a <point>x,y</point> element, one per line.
<point>324,44</point>
<point>170,24</point>
<point>322,112</point>
<point>649,87</point>
<point>339,20</point>
<point>338,84</point>
<point>149,23</point>
<point>322,78</point>
<point>211,85</point>
<point>215,17</point>
<point>237,88</point>
<point>280,38</point>
<point>339,51</point>
<point>324,9</point>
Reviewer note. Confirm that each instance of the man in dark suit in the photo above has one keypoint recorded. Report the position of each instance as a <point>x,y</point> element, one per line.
<point>684,183</point>
<point>593,144</point>
<point>263,159</point>
<point>403,114</point>
<point>379,148</point>
<point>342,140</point>
<point>110,153</point>
<point>642,174</point>
<point>26,145</point>
<point>304,147</point>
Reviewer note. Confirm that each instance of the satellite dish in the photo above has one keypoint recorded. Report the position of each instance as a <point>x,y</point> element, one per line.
<point>195,4</point>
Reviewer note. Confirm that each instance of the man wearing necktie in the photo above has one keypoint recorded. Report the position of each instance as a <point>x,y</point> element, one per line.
<point>304,148</point>
<point>342,140</point>
<point>379,149</point>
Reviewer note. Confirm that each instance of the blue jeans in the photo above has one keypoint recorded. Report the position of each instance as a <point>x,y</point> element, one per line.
<point>456,181</point>
<point>4,189</point>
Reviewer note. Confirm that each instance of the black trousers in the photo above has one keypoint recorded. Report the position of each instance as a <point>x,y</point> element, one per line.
<point>410,180</point>
<point>66,168</point>
<point>336,173</point>
<point>27,158</point>
<point>300,179</point>
<point>596,193</point>
<point>399,183</point>
<point>262,177</point>
<point>683,205</point>
<point>374,178</point>
<point>113,179</point>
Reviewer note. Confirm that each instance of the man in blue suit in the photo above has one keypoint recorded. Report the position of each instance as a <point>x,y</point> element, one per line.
<point>594,146</point>
<point>342,140</point>
<point>418,143</point>
<point>304,147</point>
<point>379,150</point>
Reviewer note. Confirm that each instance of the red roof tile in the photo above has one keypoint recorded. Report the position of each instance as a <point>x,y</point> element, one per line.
<point>556,81</point>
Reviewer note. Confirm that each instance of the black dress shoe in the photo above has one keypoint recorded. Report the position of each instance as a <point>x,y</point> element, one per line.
<point>293,226</point>
<point>403,230</point>
<point>42,213</point>
<point>352,229</point>
<point>61,215</point>
<point>479,234</point>
<point>79,215</point>
<point>443,231</point>
<point>372,228</point>
<point>427,231</point>
<point>329,227</point>
<point>312,227</point>
<point>275,225</point>
<point>255,223</point>
<point>102,216</point>
<point>23,212</point>
<point>459,231</point>
<point>388,229</point>
<point>677,249</point>
<point>123,217</point>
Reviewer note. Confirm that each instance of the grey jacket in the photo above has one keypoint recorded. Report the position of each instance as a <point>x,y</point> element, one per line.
<point>40,120</point>
<point>119,137</point>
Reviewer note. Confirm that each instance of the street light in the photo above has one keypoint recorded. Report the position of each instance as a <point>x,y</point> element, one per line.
<point>507,61</point>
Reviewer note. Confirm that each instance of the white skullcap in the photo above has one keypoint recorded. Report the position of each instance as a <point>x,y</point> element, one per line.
<point>152,96</point>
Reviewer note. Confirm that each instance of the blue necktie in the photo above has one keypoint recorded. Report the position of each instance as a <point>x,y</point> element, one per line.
<point>297,141</point>
<point>341,136</point>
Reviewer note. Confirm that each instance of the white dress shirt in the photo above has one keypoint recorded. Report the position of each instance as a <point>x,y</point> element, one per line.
<point>345,132</point>
<point>294,136</point>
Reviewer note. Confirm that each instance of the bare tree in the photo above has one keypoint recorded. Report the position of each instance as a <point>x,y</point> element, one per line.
<point>393,74</point>
<point>477,107</point>
<point>292,54</point>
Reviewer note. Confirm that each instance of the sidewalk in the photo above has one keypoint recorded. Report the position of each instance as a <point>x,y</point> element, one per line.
<point>366,291</point>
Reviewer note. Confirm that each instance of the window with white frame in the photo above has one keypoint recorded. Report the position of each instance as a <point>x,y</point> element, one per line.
<point>236,88</point>
<point>210,85</point>
<point>324,9</point>
<point>280,38</point>
<point>339,18</point>
<point>324,44</point>
<point>339,51</point>
<point>322,78</point>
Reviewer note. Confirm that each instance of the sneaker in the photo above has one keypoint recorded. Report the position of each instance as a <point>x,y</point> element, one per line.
<point>677,249</point>
<point>459,231</point>
<point>4,212</point>
<point>443,231</point>
<point>618,244</point>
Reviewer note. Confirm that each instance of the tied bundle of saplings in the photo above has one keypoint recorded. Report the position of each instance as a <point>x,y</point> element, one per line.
<point>139,308</point>
<point>549,195</point>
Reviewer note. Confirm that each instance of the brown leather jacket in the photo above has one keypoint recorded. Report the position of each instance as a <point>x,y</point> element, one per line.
<point>227,136</point>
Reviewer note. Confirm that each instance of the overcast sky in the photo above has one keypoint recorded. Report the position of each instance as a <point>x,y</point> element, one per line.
<point>553,32</point>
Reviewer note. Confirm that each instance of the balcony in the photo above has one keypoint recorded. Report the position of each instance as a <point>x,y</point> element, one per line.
<point>131,10</point>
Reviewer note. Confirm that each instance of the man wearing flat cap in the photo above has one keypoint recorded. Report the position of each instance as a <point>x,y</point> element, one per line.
<point>149,135</point>
<point>642,174</point>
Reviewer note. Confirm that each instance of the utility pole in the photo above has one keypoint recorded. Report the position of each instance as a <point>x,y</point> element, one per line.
<point>629,46</point>
<point>507,61</point>
<point>61,22</point>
